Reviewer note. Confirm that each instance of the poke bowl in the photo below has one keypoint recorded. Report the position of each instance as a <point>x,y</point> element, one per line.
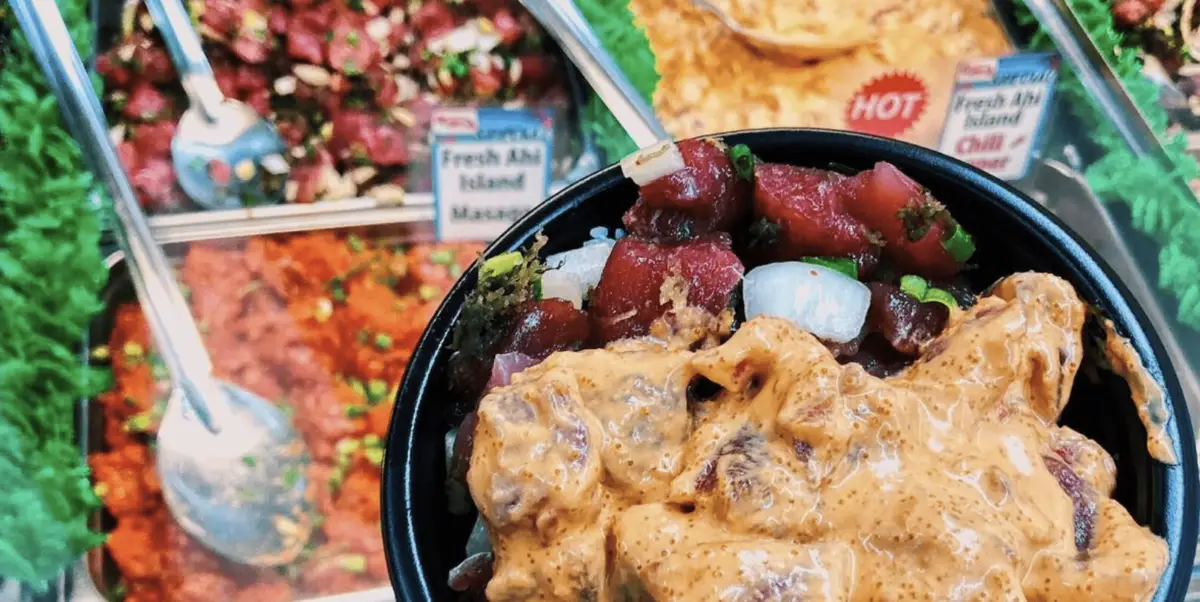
<point>429,522</point>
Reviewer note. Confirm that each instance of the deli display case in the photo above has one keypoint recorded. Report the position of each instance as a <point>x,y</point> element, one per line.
<point>282,282</point>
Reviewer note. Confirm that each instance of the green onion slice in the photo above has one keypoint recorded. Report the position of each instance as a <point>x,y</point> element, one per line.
<point>844,265</point>
<point>915,286</point>
<point>960,246</point>
<point>918,288</point>
<point>743,161</point>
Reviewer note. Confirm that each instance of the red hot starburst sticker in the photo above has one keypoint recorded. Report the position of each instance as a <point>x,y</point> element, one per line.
<point>887,105</point>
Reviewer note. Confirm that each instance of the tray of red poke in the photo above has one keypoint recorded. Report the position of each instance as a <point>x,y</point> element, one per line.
<point>321,322</point>
<point>351,86</point>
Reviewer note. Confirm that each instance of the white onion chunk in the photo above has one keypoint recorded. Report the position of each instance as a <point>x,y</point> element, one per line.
<point>653,162</point>
<point>828,304</point>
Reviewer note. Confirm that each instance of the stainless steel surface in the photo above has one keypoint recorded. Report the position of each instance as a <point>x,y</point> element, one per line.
<point>225,423</point>
<point>214,128</point>
<point>238,223</point>
<point>804,47</point>
<point>562,19</point>
<point>1065,193</point>
<point>401,224</point>
<point>1103,86</point>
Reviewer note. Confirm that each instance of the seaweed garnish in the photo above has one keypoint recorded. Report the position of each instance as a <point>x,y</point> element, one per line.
<point>843,169</point>
<point>762,233</point>
<point>504,282</point>
<point>920,218</point>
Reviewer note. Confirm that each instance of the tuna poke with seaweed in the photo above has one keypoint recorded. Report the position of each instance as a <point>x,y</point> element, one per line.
<point>648,415</point>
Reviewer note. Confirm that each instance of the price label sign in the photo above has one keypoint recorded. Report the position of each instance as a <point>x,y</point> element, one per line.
<point>998,111</point>
<point>490,167</point>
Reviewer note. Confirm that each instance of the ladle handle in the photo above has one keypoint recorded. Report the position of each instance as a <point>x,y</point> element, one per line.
<point>562,19</point>
<point>174,331</point>
<point>187,53</point>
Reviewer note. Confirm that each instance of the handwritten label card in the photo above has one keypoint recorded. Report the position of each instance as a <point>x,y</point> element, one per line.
<point>490,167</point>
<point>998,111</point>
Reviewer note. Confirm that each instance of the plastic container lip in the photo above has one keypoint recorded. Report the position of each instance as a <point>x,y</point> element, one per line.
<point>410,501</point>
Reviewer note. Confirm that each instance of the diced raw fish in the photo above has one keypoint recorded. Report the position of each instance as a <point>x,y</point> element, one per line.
<point>808,208</point>
<point>629,296</point>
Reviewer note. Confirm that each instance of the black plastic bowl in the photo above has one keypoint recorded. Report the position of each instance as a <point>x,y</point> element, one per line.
<point>424,541</point>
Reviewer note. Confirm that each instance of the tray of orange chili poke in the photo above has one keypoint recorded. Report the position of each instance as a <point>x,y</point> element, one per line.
<point>321,322</point>
<point>351,86</point>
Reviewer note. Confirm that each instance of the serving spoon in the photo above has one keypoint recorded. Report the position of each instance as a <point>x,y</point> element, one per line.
<point>225,154</point>
<point>232,467</point>
<point>804,47</point>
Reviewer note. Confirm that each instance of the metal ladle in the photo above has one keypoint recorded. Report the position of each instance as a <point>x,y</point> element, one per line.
<point>803,47</point>
<point>232,467</point>
<point>216,130</point>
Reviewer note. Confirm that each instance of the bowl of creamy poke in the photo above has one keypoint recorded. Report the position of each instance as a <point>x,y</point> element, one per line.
<point>789,365</point>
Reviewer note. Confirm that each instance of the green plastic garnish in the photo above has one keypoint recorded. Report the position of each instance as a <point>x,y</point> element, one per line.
<point>843,265</point>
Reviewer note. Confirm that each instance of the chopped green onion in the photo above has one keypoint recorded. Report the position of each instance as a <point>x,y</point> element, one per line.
<point>250,287</point>
<point>383,342</point>
<point>339,295</point>
<point>918,288</point>
<point>374,455</point>
<point>346,447</point>
<point>138,423</point>
<point>915,286</point>
<point>362,335</point>
<point>133,350</point>
<point>355,411</point>
<point>356,244</point>
<point>249,461</point>
<point>357,386</point>
<point>455,270</point>
<point>501,264</point>
<point>937,295</point>
<point>100,489</point>
<point>101,353</point>
<point>743,161</point>
<point>428,292</point>
<point>442,257</point>
<point>354,563</point>
<point>960,246</point>
<point>844,265</point>
<point>377,390</point>
<point>371,440</point>
<point>291,476</point>
<point>335,477</point>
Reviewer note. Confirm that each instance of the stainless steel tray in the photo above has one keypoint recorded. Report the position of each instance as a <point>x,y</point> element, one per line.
<point>94,576</point>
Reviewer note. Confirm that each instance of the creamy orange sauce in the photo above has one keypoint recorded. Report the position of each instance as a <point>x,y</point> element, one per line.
<point>803,479</point>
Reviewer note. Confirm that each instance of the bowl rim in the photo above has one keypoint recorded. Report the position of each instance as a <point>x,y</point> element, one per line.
<point>1181,482</point>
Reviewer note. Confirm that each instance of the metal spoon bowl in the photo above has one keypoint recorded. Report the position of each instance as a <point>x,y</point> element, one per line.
<point>239,139</point>
<point>225,154</point>
<point>208,427</point>
<point>244,491</point>
<point>806,47</point>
